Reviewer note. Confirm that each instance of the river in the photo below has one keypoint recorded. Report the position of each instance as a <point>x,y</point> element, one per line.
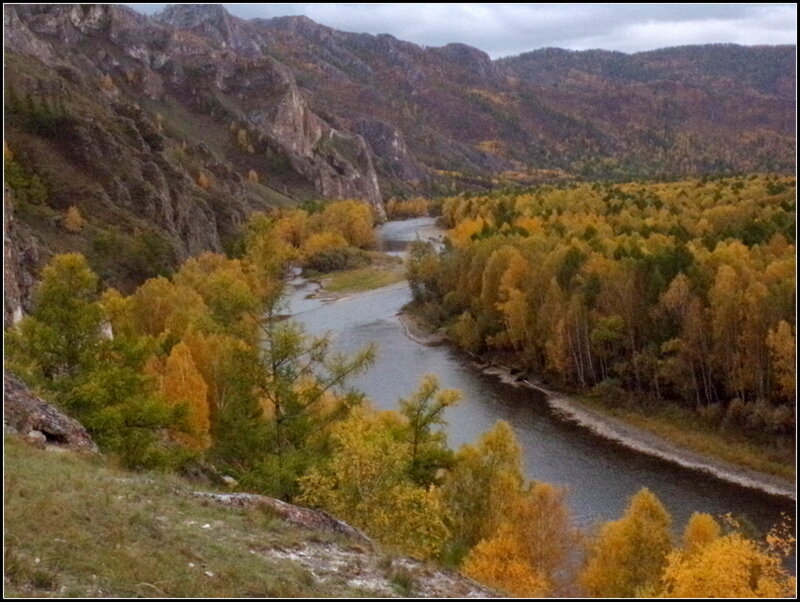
<point>600,474</point>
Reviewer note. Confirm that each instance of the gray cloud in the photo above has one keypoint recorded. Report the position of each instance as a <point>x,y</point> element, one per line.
<point>508,29</point>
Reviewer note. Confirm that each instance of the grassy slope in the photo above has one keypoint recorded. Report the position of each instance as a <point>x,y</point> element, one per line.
<point>79,527</point>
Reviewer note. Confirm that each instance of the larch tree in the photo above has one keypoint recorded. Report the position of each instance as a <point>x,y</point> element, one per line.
<point>424,411</point>
<point>101,381</point>
<point>182,383</point>
<point>302,386</point>
<point>499,562</point>
<point>61,336</point>
<point>700,531</point>
<point>727,567</point>
<point>629,554</point>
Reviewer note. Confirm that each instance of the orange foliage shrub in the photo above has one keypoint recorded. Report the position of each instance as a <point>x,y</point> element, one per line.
<point>499,562</point>
<point>73,220</point>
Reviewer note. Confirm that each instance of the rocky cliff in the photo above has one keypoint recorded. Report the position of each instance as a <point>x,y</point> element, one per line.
<point>163,137</point>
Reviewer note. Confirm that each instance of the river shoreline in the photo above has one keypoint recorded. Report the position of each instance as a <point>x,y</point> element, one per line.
<point>415,331</point>
<point>615,429</point>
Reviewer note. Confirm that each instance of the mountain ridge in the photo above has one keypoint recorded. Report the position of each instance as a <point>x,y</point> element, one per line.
<point>166,131</point>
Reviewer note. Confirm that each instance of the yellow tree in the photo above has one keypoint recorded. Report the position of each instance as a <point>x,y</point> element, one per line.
<point>181,383</point>
<point>462,234</point>
<point>118,310</point>
<point>693,347</point>
<point>203,181</point>
<point>517,317</point>
<point>218,358</point>
<point>700,531</point>
<point>158,306</point>
<point>543,523</point>
<point>533,544</point>
<point>727,319</point>
<point>505,269</point>
<point>485,480</point>
<point>630,553</point>
<point>350,219</point>
<point>321,242</point>
<point>499,562</point>
<point>466,333</point>
<point>293,228</point>
<point>225,288</point>
<point>781,343</point>
<point>267,253</point>
<point>727,567</point>
<point>367,483</point>
<point>73,220</point>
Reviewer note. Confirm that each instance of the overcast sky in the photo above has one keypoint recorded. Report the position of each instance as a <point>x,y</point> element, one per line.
<point>509,29</point>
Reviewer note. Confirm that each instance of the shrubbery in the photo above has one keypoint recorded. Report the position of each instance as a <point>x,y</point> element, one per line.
<point>338,258</point>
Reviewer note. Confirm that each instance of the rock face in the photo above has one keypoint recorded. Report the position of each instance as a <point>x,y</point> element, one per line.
<point>39,422</point>
<point>164,132</point>
<point>20,258</point>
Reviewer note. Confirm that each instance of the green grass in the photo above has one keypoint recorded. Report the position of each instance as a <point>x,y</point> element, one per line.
<point>79,527</point>
<point>362,279</point>
<point>685,428</point>
<point>383,271</point>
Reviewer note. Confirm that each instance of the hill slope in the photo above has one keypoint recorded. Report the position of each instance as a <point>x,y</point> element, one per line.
<point>164,141</point>
<point>164,132</point>
<point>75,526</point>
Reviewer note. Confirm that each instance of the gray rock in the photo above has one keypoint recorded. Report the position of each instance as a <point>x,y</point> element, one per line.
<point>229,481</point>
<point>21,259</point>
<point>42,422</point>
<point>36,438</point>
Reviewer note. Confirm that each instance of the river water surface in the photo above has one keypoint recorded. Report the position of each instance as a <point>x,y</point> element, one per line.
<point>599,474</point>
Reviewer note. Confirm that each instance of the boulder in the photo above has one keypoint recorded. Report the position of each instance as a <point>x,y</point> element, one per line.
<point>42,423</point>
<point>36,438</point>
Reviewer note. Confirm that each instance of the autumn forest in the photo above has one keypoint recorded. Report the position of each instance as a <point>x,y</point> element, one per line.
<point>642,294</point>
<point>521,326</point>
